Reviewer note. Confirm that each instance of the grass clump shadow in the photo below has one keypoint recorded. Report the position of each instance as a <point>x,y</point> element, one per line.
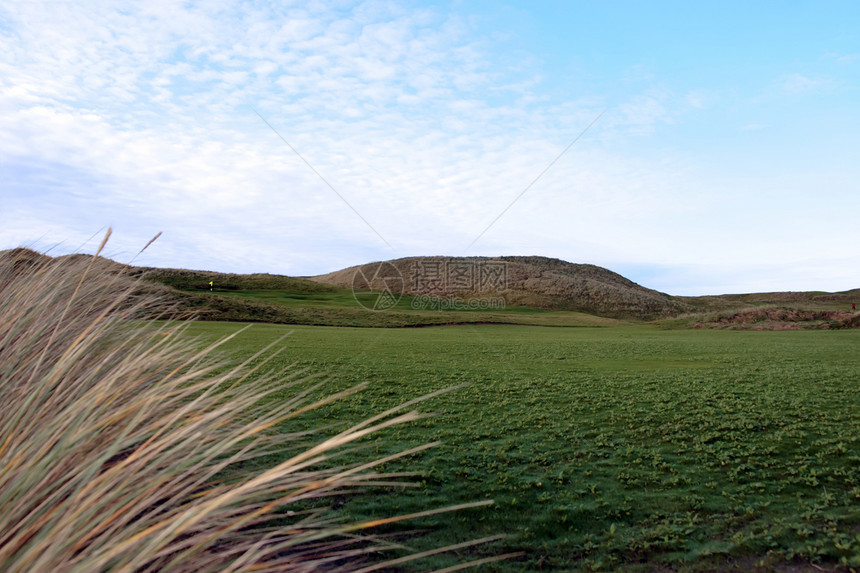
<point>117,437</point>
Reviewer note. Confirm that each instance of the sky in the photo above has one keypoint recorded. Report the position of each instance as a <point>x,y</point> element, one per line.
<point>694,147</point>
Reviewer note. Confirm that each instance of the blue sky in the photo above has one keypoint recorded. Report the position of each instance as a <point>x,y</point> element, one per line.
<point>724,161</point>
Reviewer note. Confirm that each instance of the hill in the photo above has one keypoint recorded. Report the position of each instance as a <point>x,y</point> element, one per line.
<point>425,291</point>
<point>535,282</point>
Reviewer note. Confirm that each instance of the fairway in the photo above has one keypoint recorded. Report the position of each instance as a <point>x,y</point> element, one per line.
<point>619,448</point>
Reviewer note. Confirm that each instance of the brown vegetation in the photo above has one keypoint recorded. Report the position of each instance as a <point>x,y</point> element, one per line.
<point>771,318</point>
<point>537,282</point>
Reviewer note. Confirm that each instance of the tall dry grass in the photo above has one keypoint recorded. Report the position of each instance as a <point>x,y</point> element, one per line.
<point>116,436</point>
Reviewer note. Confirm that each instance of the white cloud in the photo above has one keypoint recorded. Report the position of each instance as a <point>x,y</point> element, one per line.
<point>843,58</point>
<point>642,113</point>
<point>142,117</point>
<point>701,98</point>
<point>798,84</point>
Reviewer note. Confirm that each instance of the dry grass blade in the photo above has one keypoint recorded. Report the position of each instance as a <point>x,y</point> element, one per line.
<point>408,558</point>
<point>478,562</point>
<point>116,434</point>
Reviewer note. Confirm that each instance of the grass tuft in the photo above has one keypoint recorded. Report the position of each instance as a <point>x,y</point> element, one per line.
<point>120,439</point>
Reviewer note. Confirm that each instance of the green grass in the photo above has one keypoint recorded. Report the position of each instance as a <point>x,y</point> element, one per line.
<point>340,307</point>
<point>625,448</point>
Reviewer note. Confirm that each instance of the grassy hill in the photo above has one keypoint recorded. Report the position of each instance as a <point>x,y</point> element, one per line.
<point>430,291</point>
<point>535,282</point>
<point>771,311</point>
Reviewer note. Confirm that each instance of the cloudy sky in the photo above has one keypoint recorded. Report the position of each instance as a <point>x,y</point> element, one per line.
<point>725,158</point>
